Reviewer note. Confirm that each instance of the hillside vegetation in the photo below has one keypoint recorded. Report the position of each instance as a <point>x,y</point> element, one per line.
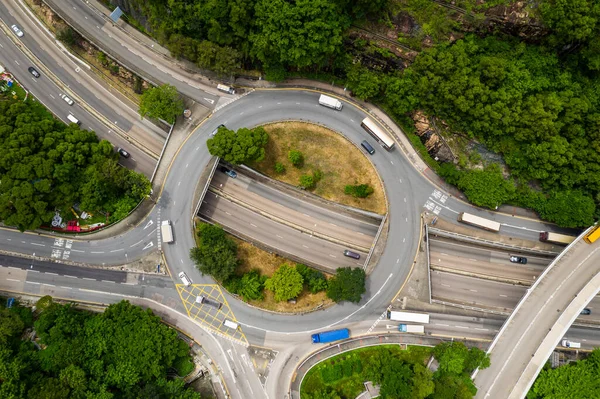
<point>521,78</point>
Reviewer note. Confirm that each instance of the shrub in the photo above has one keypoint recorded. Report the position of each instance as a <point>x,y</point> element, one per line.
<point>296,158</point>
<point>307,181</point>
<point>359,191</point>
<point>317,175</point>
<point>347,285</point>
<point>279,168</point>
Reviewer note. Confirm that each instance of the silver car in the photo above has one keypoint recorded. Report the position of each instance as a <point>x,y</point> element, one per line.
<point>17,31</point>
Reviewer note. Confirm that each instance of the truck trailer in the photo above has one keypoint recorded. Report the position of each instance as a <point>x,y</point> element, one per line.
<point>166,231</point>
<point>408,328</point>
<point>409,317</point>
<point>330,336</point>
<point>330,102</point>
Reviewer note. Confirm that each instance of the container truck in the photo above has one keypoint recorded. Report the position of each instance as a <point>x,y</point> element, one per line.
<point>408,317</point>
<point>547,236</point>
<point>330,336</point>
<point>408,328</point>
<point>166,231</point>
<point>330,102</point>
<point>570,344</point>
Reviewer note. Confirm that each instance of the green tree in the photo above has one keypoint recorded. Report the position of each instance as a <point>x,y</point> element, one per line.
<point>572,19</point>
<point>162,102</point>
<point>314,279</point>
<point>299,34</point>
<point>251,285</point>
<point>286,283</point>
<point>487,187</point>
<point>569,209</point>
<point>243,146</point>
<point>348,284</point>
<point>365,84</point>
<point>10,325</point>
<point>216,253</point>
<point>279,168</point>
<point>296,158</point>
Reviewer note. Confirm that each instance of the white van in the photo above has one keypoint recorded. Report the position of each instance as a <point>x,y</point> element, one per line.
<point>185,279</point>
<point>231,324</point>
<point>72,119</point>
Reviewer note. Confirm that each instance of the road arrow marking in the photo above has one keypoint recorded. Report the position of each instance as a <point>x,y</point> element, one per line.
<point>150,244</point>
<point>150,223</point>
<point>209,100</point>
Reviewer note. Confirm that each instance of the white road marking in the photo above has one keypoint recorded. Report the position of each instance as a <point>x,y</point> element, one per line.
<point>117,250</point>
<point>12,279</point>
<point>95,252</point>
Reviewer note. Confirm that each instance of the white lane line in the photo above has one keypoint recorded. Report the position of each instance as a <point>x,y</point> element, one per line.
<point>67,288</point>
<point>137,243</point>
<point>69,276</point>
<point>107,281</point>
<point>504,296</point>
<point>97,252</point>
<point>461,327</point>
<point>482,329</point>
<point>49,285</point>
<point>443,325</point>
<point>333,256</point>
<point>53,274</point>
<point>76,250</point>
<point>117,250</point>
<point>90,279</point>
<point>472,290</point>
<point>32,282</point>
<point>39,245</point>
<point>253,225</point>
<point>12,279</point>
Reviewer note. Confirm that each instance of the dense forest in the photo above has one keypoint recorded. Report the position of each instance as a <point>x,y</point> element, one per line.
<point>125,352</point>
<point>526,88</point>
<point>47,166</point>
<point>576,380</point>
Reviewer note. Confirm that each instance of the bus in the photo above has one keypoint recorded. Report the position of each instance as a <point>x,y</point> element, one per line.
<point>408,317</point>
<point>378,134</point>
<point>555,238</point>
<point>593,235</point>
<point>478,222</point>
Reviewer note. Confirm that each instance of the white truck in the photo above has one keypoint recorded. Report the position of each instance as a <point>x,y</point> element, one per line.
<point>330,102</point>
<point>225,88</point>
<point>570,344</point>
<point>408,328</point>
<point>166,231</point>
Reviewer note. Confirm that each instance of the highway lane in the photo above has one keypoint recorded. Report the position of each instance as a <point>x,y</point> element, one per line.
<point>309,216</point>
<point>131,53</point>
<point>485,261</point>
<point>475,292</point>
<point>286,240</point>
<point>46,91</point>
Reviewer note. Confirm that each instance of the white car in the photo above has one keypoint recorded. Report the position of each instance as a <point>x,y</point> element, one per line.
<point>17,31</point>
<point>67,99</point>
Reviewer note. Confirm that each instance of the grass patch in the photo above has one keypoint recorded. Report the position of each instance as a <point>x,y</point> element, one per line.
<point>346,372</point>
<point>341,163</point>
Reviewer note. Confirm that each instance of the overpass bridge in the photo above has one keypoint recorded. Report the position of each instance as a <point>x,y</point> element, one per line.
<point>539,322</point>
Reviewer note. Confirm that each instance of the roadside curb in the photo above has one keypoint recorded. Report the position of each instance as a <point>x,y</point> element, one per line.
<point>483,276</point>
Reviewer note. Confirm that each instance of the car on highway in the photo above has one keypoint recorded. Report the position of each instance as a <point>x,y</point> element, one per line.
<point>217,129</point>
<point>34,72</point>
<point>586,311</point>
<point>351,254</point>
<point>122,152</point>
<point>518,259</point>
<point>228,172</point>
<point>67,99</point>
<point>17,31</point>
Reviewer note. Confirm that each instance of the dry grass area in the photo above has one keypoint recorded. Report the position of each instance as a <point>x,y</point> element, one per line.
<point>252,257</point>
<point>341,163</point>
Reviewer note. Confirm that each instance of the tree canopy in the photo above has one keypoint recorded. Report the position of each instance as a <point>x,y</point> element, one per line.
<point>162,102</point>
<point>348,284</point>
<point>47,166</point>
<point>125,352</point>
<point>286,283</point>
<point>216,253</point>
<point>239,147</point>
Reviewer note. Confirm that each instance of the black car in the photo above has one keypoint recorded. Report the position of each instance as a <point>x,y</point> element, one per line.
<point>122,152</point>
<point>351,254</point>
<point>586,311</point>
<point>34,72</point>
<point>518,259</point>
<point>228,172</point>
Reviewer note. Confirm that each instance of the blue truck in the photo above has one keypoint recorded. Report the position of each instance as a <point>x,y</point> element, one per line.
<point>330,336</point>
